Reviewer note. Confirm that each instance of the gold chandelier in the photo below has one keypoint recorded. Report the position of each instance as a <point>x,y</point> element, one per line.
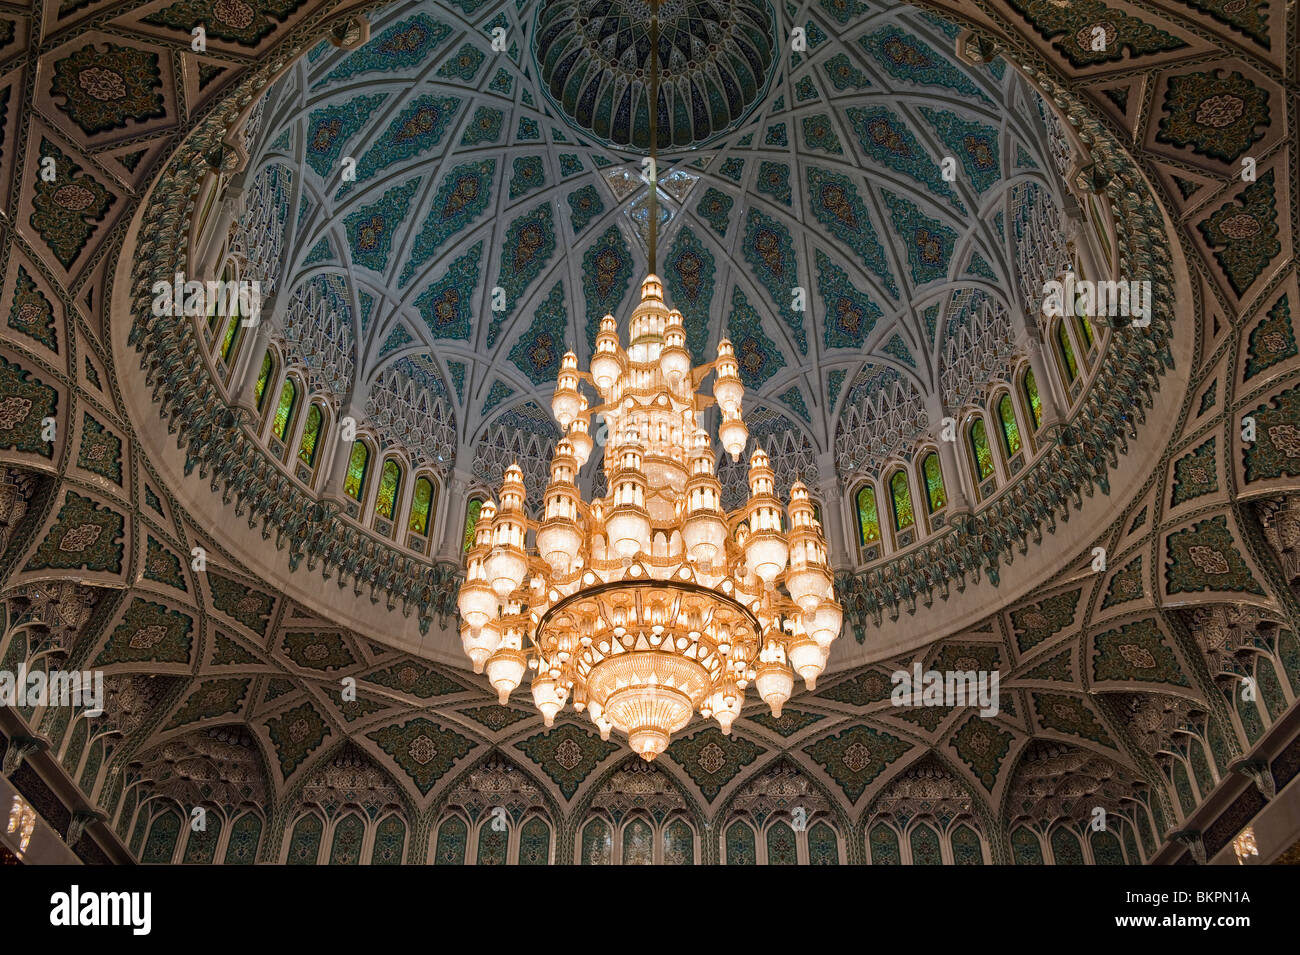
<point>651,603</point>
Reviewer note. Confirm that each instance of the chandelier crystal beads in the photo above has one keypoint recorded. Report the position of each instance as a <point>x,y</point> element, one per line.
<point>650,604</point>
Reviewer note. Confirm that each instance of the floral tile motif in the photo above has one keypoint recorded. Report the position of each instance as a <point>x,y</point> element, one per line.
<point>567,753</point>
<point>1194,474</point>
<point>850,313</point>
<point>317,650</point>
<point>1074,22</point>
<point>1248,18</point>
<point>887,139</point>
<point>1058,668</point>
<point>462,197</point>
<point>770,252</point>
<point>66,212</point>
<point>445,304</point>
<point>250,607</point>
<point>245,22</point>
<point>758,356</point>
<point>109,88</point>
<point>867,687</point>
<point>162,566</point>
<point>1277,452</point>
<point>774,180</point>
<point>538,350</point>
<point>1213,115</point>
<point>498,393</point>
<point>359,708</point>
<point>210,699</point>
<point>371,229</point>
<point>423,749</point>
<point>295,735</point>
<point>1271,341</point>
<point>85,535</point>
<point>24,402</point>
<point>1245,237</point>
<point>1037,622</point>
<point>1066,714</point>
<point>792,398</point>
<point>529,174</point>
<point>975,144</point>
<point>414,678</point>
<point>418,128</point>
<point>463,64</point>
<point>788,723</point>
<point>401,46</point>
<point>149,632</point>
<point>1125,585</point>
<point>496,717</point>
<point>585,204</point>
<point>227,652</point>
<point>688,273</point>
<point>907,57</point>
<point>1136,651</point>
<point>100,451</point>
<point>856,756</point>
<point>713,760</point>
<point>844,75</point>
<point>714,208</point>
<point>929,242</point>
<point>529,245</point>
<point>31,313</point>
<point>330,128</point>
<point>983,746</point>
<point>606,277</point>
<point>1205,557</point>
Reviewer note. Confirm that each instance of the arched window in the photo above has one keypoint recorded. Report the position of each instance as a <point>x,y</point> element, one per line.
<point>740,844</point>
<point>471,520</point>
<point>1068,363</point>
<point>263,379</point>
<point>980,451</point>
<point>535,842</point>
<point>421,506</point>
<point>390,485</point>
<point>1030,387</point>
<point>868,516</point>
<point>936,496</point>
<point>354,482</point>
<point>900,498</point>
<point>1084,327</point>
<point>310,442</point>
<point>231,338</point>
<point>678,843</point>
<point>1010,428</point>
<point>781,845</point>
<point>453,836</point>
<point>597,846</point>
<point>284,411</point>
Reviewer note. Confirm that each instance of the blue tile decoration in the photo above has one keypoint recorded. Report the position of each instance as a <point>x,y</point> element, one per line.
<point>528,246</point>
<point>770,252</point>
<point>850,313</point>
<point>538,351</point>
<point>401,46</point>
<point>929,242</point>
<point>688,274</point>
<point>907,57</point>
<point>445,304</point>
<point>329,129</point>
<point>975,144</point>
<point>462,197</point>
<point>885,138</point>
<point>585,204</point>
<point>835,202</point>
<point>714,208</point>
<point>758,356</point>
<point>370,229</point>
<point>606,277</point>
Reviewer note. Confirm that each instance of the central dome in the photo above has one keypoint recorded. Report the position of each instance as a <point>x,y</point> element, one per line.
<point>716,59</point>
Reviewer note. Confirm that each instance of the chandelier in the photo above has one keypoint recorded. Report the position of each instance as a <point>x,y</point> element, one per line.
<point>652,603</point>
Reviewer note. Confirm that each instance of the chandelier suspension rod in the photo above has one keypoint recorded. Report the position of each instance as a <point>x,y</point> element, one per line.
<point>654,135</point>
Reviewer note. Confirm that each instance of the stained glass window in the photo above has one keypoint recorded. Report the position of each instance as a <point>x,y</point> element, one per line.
<point>228,341</point>
<point>354,482</point>
<point>597,846</point>
<point>285,409</point>
<point>263,379</point>
<point>925,846</point>
<point>979,446</point>
<point>966,848</point>
<point>1065,847</point>
<point>245,835</point>
<point>823,845</point>
<point>679,844</point>
<point>1035,402</point>
<point>390,840</point>
<point>421,504</point>
<point>390,482</point>
<point>348,836</point>
<point>310,442</point>
<point>452,837</point>
<point>491,842</point>
<point>471,520</point>
<point>884,846</point>
<point>1010,429</point>
<point>1085,331</point>
<point>900,496</point>
<point>638,844</point>
<point>1067,353</point>
<point>868,517</point>
<point>935,493</point>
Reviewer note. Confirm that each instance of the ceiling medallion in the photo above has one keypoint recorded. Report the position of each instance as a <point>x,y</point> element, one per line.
<point>652,603</point>
<point>717,58</point>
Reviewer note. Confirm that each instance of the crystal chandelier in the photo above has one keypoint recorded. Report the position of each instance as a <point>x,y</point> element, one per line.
<point>651,603</point>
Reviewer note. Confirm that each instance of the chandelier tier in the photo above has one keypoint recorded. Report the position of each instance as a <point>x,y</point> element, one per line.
<point>651,603</point>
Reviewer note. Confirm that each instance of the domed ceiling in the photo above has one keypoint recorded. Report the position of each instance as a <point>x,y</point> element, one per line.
<point>492,221</point>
